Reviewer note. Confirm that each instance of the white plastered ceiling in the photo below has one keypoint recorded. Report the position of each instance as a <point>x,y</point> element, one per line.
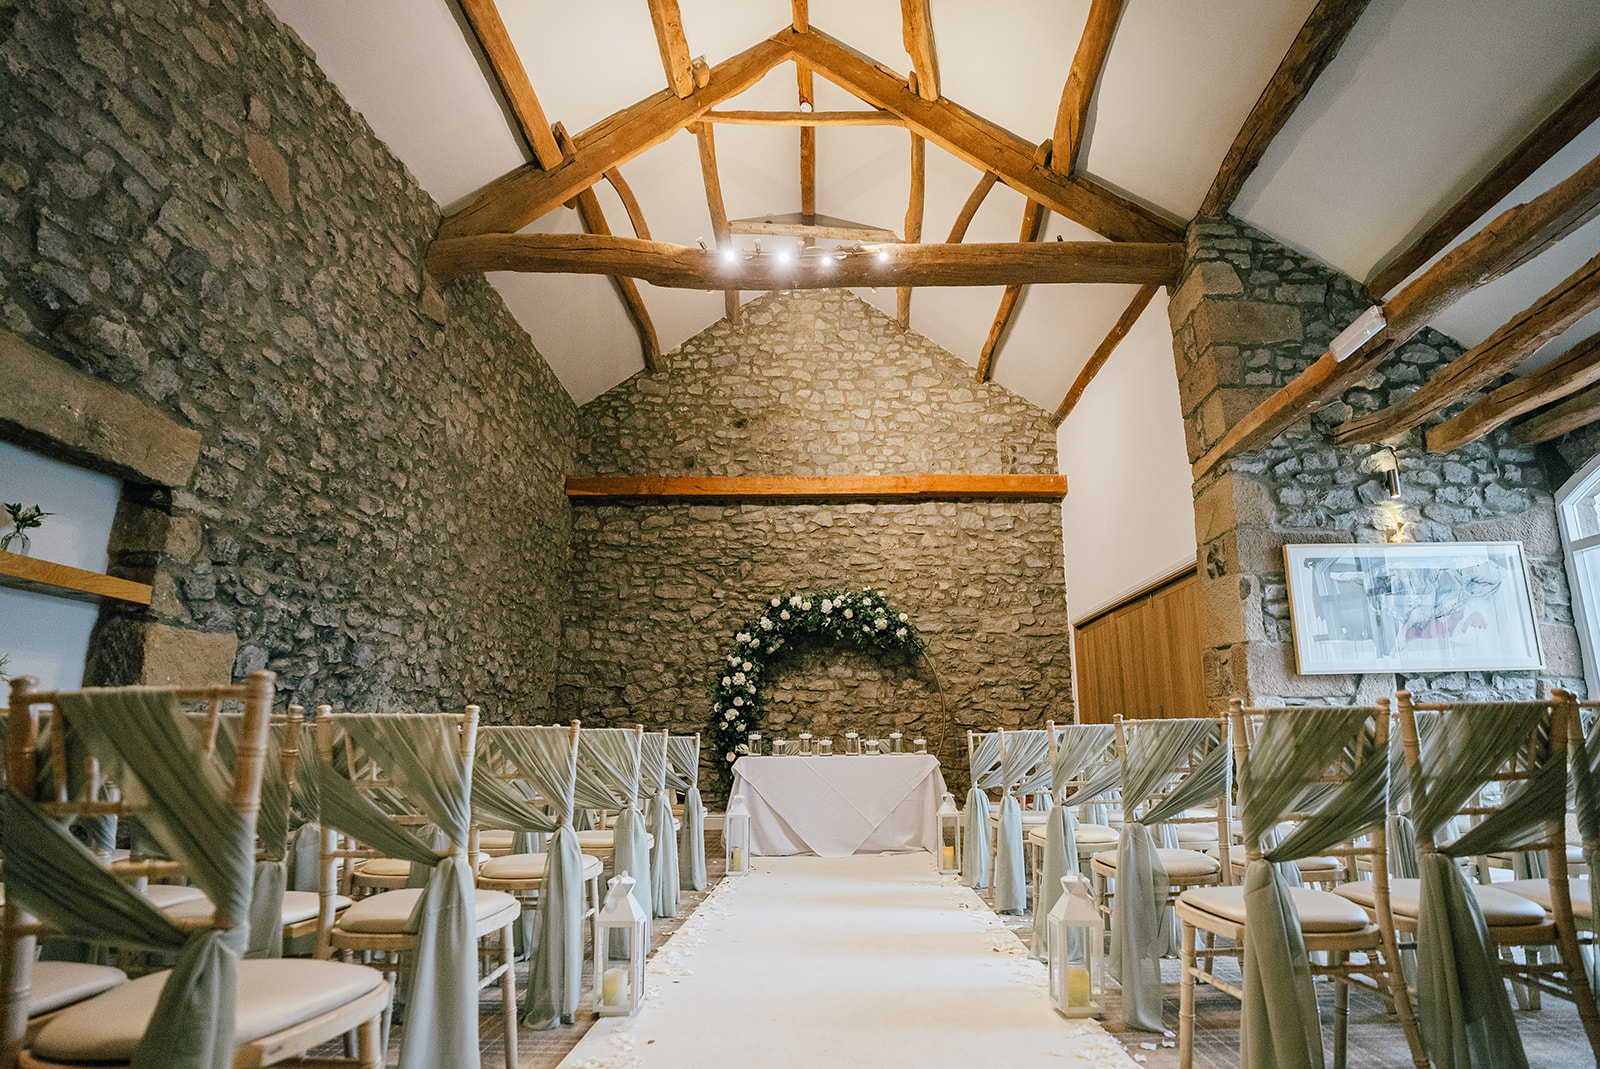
<point>1423,98</point>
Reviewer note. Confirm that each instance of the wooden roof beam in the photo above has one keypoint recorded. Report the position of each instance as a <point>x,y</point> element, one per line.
<point>717,207</point>
<point>1516,236</point>
<point>983,144</point>
<point>1499,354</point>
<point>919,160</point>
<point>875,117</point>
<point>1578,369</point>
<point>958,229</point>
<point>514,200</point>
<point>1087,63</point>
<point>1314,47</point>
<point>916,28</point>
<point>602,488</point>
<point>1579,410</point>
<point>1568,121</point>
<point>1033,217</point>
<point>674,46</point>
<point>629,202</point>
<point>484,19</point>
<point>1097,360</point>
<point>594,221</point>
<point>682,267</point>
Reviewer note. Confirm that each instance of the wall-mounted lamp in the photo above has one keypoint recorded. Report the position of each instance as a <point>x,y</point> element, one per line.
<point>1358,333</point>
<point>1391,473</point>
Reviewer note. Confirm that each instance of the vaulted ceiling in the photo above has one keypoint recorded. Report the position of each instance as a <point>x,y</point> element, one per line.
<point>1422,99</point>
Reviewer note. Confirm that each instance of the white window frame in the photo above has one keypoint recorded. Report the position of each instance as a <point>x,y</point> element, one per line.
<point>1585,602</point>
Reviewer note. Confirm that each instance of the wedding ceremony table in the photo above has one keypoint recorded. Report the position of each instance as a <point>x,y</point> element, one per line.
<point>840,805</point>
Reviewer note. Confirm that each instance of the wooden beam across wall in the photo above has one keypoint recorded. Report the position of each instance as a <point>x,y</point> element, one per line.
<point>913,235</point>
<point>514,200</point>
<point>594,222</point>
<point>1577,369</point>
<point>1577,411</point>
<point>875,117</point>
<point>1314,47</point>
<point>651,488</point>
<point>984,145</point>
<point>1516,236</point>
<point>484,19</point>
<point>674,46</point>
<point>1551,136</point>
<point>1499,354</point>
<point>1033,219</point>
<point>718,209</point>
<point>916,28</point>
<point>1087,62</point>
<point>1098,358</point>
<point>958,229</point>
<point>682,267</point>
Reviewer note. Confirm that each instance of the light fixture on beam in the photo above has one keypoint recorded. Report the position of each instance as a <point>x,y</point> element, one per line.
<point>702,243</point>
<point>1391,473</point>
<point>1358,333</point>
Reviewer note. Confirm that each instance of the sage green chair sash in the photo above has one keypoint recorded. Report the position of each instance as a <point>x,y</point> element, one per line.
<point>1077,747</point>
<point>1142,924</point>
<point>1463,1010</point>
<point>1586,799</point>
<point>683,753</point>
<point>609,765</point>
<point>1024,768</point>
<point>984,756</point>
<point>664,842</point>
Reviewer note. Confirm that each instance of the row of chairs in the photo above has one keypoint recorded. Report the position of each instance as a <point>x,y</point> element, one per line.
<point>391,871</point>
<point>1330,800</point>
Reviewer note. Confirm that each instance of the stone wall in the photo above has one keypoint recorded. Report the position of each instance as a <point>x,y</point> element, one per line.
<point>1247,316</point>
<point>190,212</point>
<point>818,384</point>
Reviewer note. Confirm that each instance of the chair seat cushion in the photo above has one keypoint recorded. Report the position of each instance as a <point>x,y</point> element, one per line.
<point>1311,868</point>
<point>1088,835</point>
<point>531,867</point>
<point>1320,911</point>
<point>297,906</point>
<point>1501,909</point>
<point>383,866</point>
<point>389,912</point>
<point>61,983</point>
<point>273,994</point>
<point>1196,833</point>
<point>605,840</point>
<point>1179,863</point>
<point>165,895</point>
<point>1539,891</point>
<point>495,840</point>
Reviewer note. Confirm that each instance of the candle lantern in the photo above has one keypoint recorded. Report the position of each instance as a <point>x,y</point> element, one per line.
<point>896,742</point>
<point>852,743</point>
<point>736,837</point>
<point>1076,945</point>
<point>874,746</point>
<point>824,747</point>
<point>620,945</point>
<point>806,747</point>
<point>949,836</point>
<point>755,744</point>
<point>922,746</point>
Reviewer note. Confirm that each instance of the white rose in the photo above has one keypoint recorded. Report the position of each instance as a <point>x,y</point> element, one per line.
<point>806,605</point>
<point>900,633</point>
<point>776,602</point>
<point>795,601</point>
<point>744,636</point>
<point>902,617</point>
<point>882,623</point>
<point>784,614</point>
<point>737,701</point>
<point>747,666</point>
<point>726,682</point>
<point>766,624</point>
<point>751,687</point>
<point>738,677</point>
<point>865,630</point>
<point>730,714</point>
<point>849,614</point>
<point>730,757</point>
<point>827,606</point>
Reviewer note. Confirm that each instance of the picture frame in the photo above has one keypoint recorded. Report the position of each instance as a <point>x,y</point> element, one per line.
<point>1411,607</point>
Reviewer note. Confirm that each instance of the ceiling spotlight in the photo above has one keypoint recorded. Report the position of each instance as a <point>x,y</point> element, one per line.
<point>883,256</point>
<point>702,243</point>
<point>805,105</point>
<point>730,255</point>
<point>783,257</point>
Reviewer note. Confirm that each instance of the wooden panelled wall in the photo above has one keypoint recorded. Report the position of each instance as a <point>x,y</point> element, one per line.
<point>1142,658</point>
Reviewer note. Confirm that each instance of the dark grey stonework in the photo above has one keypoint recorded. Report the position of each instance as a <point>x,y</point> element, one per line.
<point>818,384</point>
<point>1248,315</point>
<point>190,211</point>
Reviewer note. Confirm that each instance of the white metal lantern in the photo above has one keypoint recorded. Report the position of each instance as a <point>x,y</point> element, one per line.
<point>1076,944</point>
<point>949,836</point>
<point>620,946</point>
<point>736,836</point>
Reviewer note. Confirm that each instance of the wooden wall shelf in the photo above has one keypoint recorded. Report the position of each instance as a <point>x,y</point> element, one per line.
<point>62,581</point>
<point>778,490</point>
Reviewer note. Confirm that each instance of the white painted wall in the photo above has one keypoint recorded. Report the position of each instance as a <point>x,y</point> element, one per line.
<point>46,636</point>
<point>1128,518</point>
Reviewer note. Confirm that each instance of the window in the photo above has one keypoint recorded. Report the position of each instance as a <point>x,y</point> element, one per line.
<point>1578,506</point>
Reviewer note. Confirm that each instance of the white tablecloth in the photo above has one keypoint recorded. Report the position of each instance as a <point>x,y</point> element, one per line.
<point>837,806</point>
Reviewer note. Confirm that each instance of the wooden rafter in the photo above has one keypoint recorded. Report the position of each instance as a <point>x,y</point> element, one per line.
<point>1033,218</point>
<point>916,27</point>
<point>821,227</point>
<point>668,23</point>
<point>594,222</point>
<point>629,202</point>
<point>875,117</point>
<point>1082,79</point>
<point>958,229</point>
<point>919,159</point>
<point>717,207</point>
<point>512,78</point>
<point>1575,297</point>
<point>682,267</point>
<point>983,144</point>
<point>1097,360</point>
<point>1569,120</point>
<point>1578,369</point>
<point>1516,236</point>
<point>514,200</point>
<point>801,11</point>
<point>818,488</point>
<point>1313,49</point>
<point>1579,410</point>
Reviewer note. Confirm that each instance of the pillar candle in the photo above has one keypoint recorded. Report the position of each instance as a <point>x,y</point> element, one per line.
<point>738,858</point>
<point>1077,987</point>
<point>949,857</point>
<point>614,987</point>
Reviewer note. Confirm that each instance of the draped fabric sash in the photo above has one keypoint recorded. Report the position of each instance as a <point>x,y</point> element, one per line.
<point>655,762</point>
<point>683,765</point>
<point>1077,747</point>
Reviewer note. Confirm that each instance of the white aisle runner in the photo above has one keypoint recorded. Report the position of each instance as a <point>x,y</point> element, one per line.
<point>823,963</point>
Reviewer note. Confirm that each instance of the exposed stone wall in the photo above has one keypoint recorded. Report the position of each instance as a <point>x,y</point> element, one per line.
<point>818,384</point>
<point>190,212</point>
<point>1247,316</point>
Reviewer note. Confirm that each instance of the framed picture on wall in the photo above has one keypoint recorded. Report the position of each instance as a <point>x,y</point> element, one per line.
<point>1411,607</point>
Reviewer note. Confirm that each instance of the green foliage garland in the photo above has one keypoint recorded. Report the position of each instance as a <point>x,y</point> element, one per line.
<point>863,619</point>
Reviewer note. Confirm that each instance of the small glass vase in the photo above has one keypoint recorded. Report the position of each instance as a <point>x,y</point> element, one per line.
<point>16,542</point>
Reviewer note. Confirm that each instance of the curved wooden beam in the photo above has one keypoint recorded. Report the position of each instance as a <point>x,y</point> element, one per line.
<point>1141,300</point>
<point>1090,59</point>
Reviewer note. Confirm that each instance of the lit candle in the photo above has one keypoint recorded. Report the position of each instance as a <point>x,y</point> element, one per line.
<point>614,987</point>
<point>949,857</point>
<point>738,858</point>
<point>1077,987</point>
